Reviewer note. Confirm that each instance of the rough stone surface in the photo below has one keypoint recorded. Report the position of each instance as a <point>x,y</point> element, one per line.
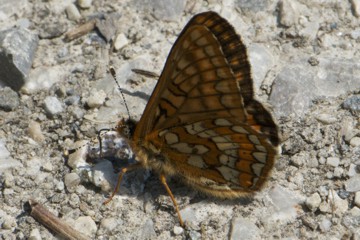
<point>17,50</point>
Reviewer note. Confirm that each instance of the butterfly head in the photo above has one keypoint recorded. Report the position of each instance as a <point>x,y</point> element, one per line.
<point>126,127</point>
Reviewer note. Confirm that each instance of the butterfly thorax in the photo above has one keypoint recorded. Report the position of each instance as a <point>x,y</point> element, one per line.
<point>146,154</point>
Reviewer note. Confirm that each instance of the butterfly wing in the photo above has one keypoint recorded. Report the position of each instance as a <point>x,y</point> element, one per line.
<point>202,115</point>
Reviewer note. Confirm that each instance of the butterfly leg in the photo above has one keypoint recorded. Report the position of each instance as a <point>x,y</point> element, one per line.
<point>121,174</point>
<point>163,181</point>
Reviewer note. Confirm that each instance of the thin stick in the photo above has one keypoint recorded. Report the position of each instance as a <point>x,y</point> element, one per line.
<point>113,73</point>
<point>80,31</point>
<point>43,216</point>
<point>145,73</point>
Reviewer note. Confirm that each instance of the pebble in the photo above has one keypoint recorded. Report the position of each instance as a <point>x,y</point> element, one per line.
<point>357,199</point>
<point>52,106</point>
<point>313,202</point>
<point>35,234</point>
<point>352,103</point>
<point>355,212</point>
<point>340,205</point>
<point>120,41</point>
<point>325,225</point>
<point>108,225</point>
<point>86,225</point>
<point>355,142</point>
<point>289,13</point>
<point>18,47</point>
<point>60,186</point>
<point>72,12</point>
<point>84,4</point>
<point>34,131</point>
<point>352,170</point>
<point>178,230</point>
<point>338,172</point>
<point>9,99</point>
<point>333,161</point>
<point>353,184</point>
<point>326,118</point>
<point>72,180</point>
<point>96,99</point>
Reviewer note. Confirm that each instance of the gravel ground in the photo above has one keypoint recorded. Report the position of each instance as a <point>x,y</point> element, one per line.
<point>305,57</point>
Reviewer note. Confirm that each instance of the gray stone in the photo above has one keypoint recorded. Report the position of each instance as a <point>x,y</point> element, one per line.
<point>313,202</point>
<point>289,12</point>
<point>352,103</point>
<point>297,85</point>
<point>71,180</point>
<point>6,161</point>
<point>165,10</point>
<point>253,5</point>
<point>52,106</point>
<point>43,78</point>
<point>17,50</point>
<point>242,228</point>
<point>108,225</point>
<point>262,61</point>
<point>325,225</point>
<point>11,7</point>
<point>72,12</point>
<point>9,99</point>
<point>353,184</point>
<point>333,161</point>
<point>86,225</point>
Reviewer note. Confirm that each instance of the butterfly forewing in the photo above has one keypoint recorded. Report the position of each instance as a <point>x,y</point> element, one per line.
<point>202,116</point>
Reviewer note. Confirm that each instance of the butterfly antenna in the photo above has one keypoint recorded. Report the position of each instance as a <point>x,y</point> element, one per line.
<point>113,73</point>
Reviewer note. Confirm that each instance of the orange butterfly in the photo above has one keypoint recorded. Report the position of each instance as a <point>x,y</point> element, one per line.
<point>202,123</point>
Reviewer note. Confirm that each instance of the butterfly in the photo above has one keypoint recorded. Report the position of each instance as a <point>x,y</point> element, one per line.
<point>202,123</point>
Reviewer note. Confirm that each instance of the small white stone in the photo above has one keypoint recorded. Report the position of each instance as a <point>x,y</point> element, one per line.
<point>178,230</point>
<point>8,222</point>
<point>313,202</point>
<point>355,212</point>
<point>353,184</point>
<point>120,41</point>
<point>84,3</point>
<point>72,12</point>
<point>338,172</point>
<point>35,234</point>
<point>107,225</point>
<point>357,199</point>
<point>96,99</point>
<point>60,186</point>
<point>355,142</point>
<point>333,161</point>
<point>325,225</point>
<point>326,118</point>
<point>86,225</point>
